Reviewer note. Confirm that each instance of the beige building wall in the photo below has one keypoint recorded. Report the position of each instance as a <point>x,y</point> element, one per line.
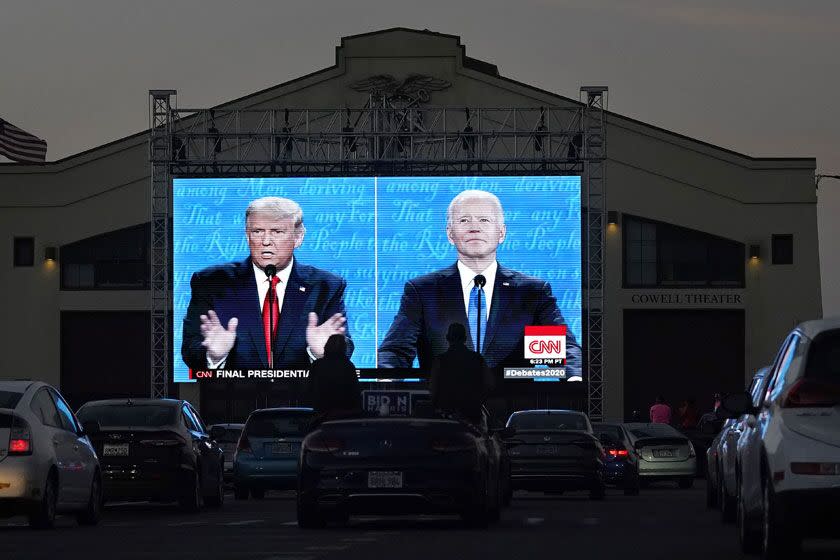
<point>651,173</point>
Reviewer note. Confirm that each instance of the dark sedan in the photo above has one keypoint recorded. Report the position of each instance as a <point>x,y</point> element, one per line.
<point>621,462</point>
<point>555,451</point>
<point>156,449</point>
<point>399,466</point>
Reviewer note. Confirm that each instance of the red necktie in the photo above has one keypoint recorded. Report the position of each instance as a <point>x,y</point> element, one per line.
<point>272,319</point>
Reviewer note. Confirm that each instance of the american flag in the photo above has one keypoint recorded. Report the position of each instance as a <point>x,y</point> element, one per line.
<point>18,145</point>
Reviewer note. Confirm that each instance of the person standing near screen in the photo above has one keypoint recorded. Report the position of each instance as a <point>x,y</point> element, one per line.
<point>232,322</point>
<point>495,301</point>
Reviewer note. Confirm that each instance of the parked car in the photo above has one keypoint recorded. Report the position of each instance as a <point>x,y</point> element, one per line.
<point>156,449</point>
<point>621,462</point>
<point>555,451</point>
<point>227,440</point>
<point>393,465</point>
<point>727,458</point>
<point>47,462</point>
<point>664,453</point>
<point>788,482</point>
<point>266,456</point>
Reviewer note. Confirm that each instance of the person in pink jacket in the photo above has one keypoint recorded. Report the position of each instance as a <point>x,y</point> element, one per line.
<point>660,413</point>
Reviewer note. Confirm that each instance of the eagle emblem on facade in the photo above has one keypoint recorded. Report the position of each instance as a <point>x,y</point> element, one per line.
<point>409,92</point>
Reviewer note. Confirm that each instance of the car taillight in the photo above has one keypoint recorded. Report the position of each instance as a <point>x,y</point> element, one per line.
<point>691,451</point>
<point>20,438</point>
<point>324,444</point>
<point>452,444</point>
<point>244,445</point>
<point>809,393</point>
<point>830,469</point>
<point>618,453</point>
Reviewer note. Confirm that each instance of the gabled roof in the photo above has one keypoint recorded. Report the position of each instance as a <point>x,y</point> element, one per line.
<point>473,64</point>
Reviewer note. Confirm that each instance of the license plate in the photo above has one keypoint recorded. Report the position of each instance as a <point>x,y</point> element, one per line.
<point>281,448</point>
<point>664,453</point>
<point>385,479</point>
<point>115,450</point>
<point>548,450</point>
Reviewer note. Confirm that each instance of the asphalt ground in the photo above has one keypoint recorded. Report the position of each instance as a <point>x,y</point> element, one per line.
<point>663,522</point>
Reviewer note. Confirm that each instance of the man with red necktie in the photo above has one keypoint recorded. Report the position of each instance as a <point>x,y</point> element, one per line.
<point>264,312</point>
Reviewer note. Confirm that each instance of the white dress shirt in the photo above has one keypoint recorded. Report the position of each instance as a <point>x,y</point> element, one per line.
<point>263,284</point>
<point>468,282</point>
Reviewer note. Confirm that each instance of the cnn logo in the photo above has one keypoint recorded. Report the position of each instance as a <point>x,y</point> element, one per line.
<point>548,342</point>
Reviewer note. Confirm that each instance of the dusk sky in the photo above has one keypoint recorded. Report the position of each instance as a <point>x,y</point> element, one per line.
<point>758,76</point>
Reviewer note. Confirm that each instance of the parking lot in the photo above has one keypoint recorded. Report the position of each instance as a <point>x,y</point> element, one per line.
<point>663,522</point>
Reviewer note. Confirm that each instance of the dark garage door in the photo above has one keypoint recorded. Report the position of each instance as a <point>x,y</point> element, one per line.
<point>105,355</point>
<point>681,354</point>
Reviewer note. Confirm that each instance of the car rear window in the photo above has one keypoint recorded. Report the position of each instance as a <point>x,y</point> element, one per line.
<point>9,399</point>
<point>553,421</point>
<point>824,357</point>
<point>145,415</point>
<point>278,424</point>
<point>653,430</point>
<point>231,435</point>
<point>613,431</point>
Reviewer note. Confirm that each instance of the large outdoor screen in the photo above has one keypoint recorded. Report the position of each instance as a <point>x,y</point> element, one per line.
<point>391,262</point>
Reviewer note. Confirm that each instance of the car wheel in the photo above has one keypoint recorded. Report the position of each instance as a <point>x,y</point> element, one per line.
<point>240,492</point>
<point>308,515</point>
<point>778,542</point>
<point>749,532</point>
<point>93,511</point>
<point>190,500</point>
<point>687,482</point>
<point>598,492</point>
<point>258,493</point>
<point>727,504</point>
<point>476,517</point>
<point>711,492</point>
<point>217,499</point>
<point>43,517</point>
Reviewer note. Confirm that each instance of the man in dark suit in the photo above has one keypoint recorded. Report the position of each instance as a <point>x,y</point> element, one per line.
<point>238,311</point>
<point>496,302</point>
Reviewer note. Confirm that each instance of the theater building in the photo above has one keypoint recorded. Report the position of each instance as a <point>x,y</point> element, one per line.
<point>711,255</point>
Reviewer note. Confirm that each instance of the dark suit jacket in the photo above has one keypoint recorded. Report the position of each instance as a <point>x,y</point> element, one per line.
<point>430,303</point>
<point>460,381</point>
<point>231,291</point>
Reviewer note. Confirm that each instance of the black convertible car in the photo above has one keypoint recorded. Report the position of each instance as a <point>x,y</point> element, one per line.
<point>399,466</point>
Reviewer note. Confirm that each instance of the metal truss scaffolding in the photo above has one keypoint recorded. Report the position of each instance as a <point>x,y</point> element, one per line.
<point>377,139</point>
<point>160,154</point>
<point>594,101</point>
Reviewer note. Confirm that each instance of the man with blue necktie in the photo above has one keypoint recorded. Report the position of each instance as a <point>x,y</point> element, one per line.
<point>496,302</point>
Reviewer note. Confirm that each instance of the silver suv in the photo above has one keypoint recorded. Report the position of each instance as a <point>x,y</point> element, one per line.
<point>47,463</point>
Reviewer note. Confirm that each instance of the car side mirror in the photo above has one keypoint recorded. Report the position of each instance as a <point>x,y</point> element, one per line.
<point>217,433</point>
<point>91,428</point>
<point>736,404</point>
<point>507,432</point>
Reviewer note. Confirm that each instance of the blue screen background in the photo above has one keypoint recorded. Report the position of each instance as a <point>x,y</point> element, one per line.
<point>377,233</point>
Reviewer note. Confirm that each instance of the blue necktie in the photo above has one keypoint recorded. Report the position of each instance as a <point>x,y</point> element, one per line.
<point>472,316</point>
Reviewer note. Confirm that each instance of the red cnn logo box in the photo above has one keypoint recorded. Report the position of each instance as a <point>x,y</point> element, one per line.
<point>547,342</point>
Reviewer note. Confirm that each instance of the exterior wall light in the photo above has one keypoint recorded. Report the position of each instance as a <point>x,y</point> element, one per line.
<point>51,254</point>
<point>755,252</point>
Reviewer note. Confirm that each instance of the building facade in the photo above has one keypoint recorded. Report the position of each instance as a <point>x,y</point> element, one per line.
<point>711,256</point>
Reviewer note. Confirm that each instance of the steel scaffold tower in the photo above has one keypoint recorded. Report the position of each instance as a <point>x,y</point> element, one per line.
<point>594,99</point>
<point>380,140</point>
<point>160,155</point>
